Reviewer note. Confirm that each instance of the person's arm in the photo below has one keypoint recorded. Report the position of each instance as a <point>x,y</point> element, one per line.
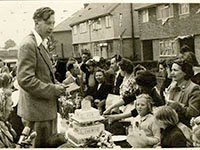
<point>115,117</point>
<point>155,139</point>
<point>115,105</point>
<point>193,108</point>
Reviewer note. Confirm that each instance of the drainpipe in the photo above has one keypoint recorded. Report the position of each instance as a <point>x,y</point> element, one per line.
<point>62,51</point>
<point>121,42</point>
<point>90,36</point>
<point>132,30</point>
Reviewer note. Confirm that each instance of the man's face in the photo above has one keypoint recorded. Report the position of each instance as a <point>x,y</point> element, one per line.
<point>85,57</point>
<point>99,77</point>
<point>45,28</point>
<point>113,64</point>
<point>76,70</point>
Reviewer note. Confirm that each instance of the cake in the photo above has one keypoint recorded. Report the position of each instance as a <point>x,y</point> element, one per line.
<point>87,115</point>
<point>85,124</point>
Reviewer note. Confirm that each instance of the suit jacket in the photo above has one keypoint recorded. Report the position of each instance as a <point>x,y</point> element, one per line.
<point>189,96</point>
<point>38,94</point>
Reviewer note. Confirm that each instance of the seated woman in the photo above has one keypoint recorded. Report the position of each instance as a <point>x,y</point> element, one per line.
<point>171,135</point>
<point>163,66</point>
<point>144,124</point>
<point>127,87</point>
<point>185,92</point>
<point>100,91</point>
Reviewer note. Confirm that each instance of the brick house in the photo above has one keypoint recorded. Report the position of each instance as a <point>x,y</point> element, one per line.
<point>106,29</point>
<point>165,27</point>
<point>63,36</point>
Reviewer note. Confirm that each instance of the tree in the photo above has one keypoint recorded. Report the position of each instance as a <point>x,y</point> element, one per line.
<point>9,43</point>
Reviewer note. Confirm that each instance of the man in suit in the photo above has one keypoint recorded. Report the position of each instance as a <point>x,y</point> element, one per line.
<point>38,88</point>
<point>114,74</point>
<point>74,73</point>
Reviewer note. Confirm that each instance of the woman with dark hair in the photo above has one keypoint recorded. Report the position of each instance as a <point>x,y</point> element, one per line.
<point>185,92</point>
<point>164,68</point>
<point>100,91</point>
<point>191,58</point>
<point>127,87</point>
<point>147,82</point>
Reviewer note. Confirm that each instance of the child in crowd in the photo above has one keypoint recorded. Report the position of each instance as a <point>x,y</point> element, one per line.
<point>144,132</point>
<point>171,135</point>
<point>185,129</point>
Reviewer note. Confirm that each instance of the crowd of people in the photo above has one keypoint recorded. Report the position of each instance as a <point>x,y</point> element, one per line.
<point>167,116</point>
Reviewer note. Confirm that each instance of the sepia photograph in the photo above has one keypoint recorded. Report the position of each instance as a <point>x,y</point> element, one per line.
<point>99,74</point>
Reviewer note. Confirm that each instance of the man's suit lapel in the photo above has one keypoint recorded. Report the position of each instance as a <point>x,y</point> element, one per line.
<point>46,58</point>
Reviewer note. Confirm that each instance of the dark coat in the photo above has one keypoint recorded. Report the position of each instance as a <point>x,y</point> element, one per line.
<point>100,93</point>
<point>172,136</point>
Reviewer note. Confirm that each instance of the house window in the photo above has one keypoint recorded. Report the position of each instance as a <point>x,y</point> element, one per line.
<point>167,47</point>
<point>96,25</point>
<point>145,15</point>
<point>83,27</point>
<point>183,9</point>
<point>108,21</point>
<point>99,24</point>
<point>120,19</point>
<point>165,11</point>
<point>75,29</point>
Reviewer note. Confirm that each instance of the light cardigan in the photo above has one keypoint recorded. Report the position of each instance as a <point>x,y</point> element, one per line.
<point>148,124</point>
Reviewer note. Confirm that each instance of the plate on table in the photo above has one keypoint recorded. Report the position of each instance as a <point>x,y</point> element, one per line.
<point>118,138</point>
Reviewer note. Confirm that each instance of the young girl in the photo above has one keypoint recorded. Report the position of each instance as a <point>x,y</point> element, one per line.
<point>144,132</point>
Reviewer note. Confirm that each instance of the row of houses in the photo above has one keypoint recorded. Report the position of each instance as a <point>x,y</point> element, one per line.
<point>137,31</point>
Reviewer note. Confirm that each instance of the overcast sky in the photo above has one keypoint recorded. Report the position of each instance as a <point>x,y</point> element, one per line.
<point>16,16</point>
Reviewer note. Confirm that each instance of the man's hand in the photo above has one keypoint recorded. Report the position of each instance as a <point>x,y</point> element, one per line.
<point>60,89</point>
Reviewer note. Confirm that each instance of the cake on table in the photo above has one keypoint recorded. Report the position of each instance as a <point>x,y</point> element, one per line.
<point>85,124</point>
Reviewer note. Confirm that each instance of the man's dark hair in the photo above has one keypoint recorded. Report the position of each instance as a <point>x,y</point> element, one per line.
<point>126,65</point>
<point>186,68</point>
<point>43,13</point>
<point>70,65</point>
<point>185,48</point>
